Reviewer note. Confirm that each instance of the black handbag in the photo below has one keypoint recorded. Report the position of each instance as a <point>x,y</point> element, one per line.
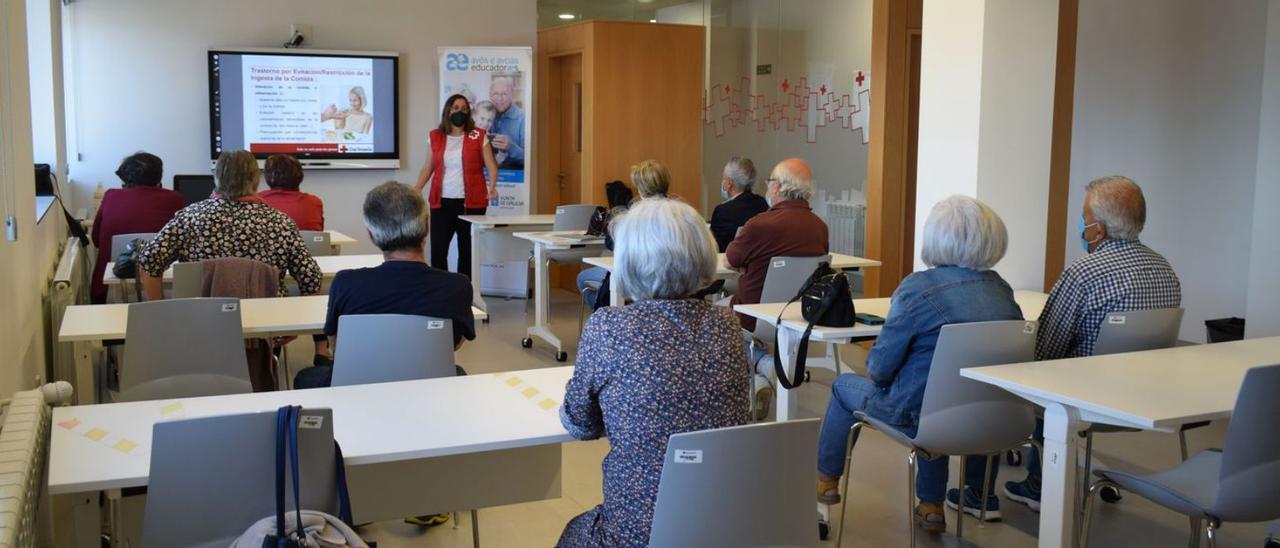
<point>126,266</point>
<point>599,223</point>
<point>826,301</point>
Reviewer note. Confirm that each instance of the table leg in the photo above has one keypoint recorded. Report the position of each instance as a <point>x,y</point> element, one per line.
<point>787,404</point>
<point>83,382</point>
<point>615,291</point>
<point>1058,496</point>
<point>542,302</point>
<point>477,300</point>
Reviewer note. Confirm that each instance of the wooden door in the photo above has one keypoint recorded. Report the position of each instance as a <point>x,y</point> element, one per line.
<point>566,144</point>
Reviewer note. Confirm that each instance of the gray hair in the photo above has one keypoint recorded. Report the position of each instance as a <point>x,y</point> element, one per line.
<point>1119,205</point>
<point>236,174</point>
<point>741,172</point>
<point>794,180</point>
<point>963,231</point>
<point>396,216</point>
<point>662,250</point>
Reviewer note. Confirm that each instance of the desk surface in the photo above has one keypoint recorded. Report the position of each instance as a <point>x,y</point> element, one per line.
<point>272,316</point>
<point>1155,390</point>
<point>329,265</point>
<point>96,447</point>
<point>838,261</point>
<point>339,239</point>
<point>490,221</point>
<point>563,238</point>
<point>1032,302</point>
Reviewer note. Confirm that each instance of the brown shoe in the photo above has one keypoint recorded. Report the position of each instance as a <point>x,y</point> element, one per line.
<point>931,518</point>
<point>829,491</point>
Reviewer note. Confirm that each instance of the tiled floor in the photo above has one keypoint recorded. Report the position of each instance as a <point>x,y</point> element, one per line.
<point>877,516</point>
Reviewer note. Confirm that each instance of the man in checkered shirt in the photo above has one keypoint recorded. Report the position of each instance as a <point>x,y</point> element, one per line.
<point>1119,274</point>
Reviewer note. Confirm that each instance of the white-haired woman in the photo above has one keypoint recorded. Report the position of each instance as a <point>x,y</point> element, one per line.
<point>963,239</point>
<point>663,365</point>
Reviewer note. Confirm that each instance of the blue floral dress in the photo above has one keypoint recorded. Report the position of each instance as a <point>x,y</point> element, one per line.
<point>644,372</point>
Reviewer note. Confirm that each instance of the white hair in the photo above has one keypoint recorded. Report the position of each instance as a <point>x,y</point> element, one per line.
<point>1119,205</point>
<point>741,171</point>
<point>963,231</point>
<point>791,185</point>
<point>396,216</point>
<point>662,250</point>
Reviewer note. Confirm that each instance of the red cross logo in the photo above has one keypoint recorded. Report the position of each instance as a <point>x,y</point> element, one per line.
<point>822,89</point>
<point>785,85</point>
<point>726,88</point>
<point>342,148</point>
<point>860,78</point>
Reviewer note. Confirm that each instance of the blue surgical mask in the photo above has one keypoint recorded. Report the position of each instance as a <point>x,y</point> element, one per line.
<point>1084,242</point>
<point>724,193</point>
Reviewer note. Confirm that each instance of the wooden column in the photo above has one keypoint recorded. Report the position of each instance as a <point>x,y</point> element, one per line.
<point>896,26</point>
<point>1060,154</point>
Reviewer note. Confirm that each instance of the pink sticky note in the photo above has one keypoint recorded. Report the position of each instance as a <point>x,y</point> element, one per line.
<point>69,424</point>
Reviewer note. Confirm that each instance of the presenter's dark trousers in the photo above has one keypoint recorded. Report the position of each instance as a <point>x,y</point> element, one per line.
<point>445,224</point>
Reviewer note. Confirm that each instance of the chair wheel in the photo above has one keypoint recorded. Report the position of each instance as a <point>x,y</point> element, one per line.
<point>824,530</point>
<point>526,342</point>
<point>561,356</point>
<point>1110,494</point>
<point>1013,457</point>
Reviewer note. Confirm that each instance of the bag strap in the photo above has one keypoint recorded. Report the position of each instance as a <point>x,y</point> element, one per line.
<point>293,461</point>
<point>282,415</point>
<point>344,497</point>
<point>802,350</point>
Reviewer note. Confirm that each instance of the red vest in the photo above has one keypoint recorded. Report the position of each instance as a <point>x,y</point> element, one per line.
<point>473,184</point>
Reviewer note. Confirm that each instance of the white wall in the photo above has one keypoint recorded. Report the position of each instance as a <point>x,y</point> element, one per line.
<point>140,82</point>
<point>1263,310</point>
<point>1168,92</point>
<point>986,118</point>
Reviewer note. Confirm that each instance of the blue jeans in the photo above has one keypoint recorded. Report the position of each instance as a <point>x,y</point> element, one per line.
<point>849,393</point>
<point>593,274</point>
<point>1033,456</point>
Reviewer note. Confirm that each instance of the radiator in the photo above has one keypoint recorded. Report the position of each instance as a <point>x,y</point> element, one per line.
<point>24,444</point>
<point>69,286</point>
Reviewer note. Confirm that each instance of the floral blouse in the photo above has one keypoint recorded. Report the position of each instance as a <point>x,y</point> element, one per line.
<point>644,372</point>
<point>216,228</point>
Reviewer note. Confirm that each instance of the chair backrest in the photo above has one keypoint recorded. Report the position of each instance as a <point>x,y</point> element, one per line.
<point>740,486</point>
<point>119,241</point>
<point>188,280</point>
<point>1249,481</point>
<point>573,217</point>
<point>235,483</point>
<point>392,347</point>
<point>1138,330</point>
<point>193,188</point>
<point>181,348</point>
<point>961,416</point>
<point>318,243</point>
<point>785,277</point>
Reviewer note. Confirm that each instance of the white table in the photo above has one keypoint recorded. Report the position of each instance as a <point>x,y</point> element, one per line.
<point>561,246</point>
<point>329,266</point>
<point>338,240</point>
<point>838,262</point>
<point>502,223</point>
<point>793,326</point>
<point>410,448</point>
<point>87,326</point>
<point>1153,390</point>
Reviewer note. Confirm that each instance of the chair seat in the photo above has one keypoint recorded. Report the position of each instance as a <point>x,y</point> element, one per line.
<point>887,429</point>
<point>1189,488</point>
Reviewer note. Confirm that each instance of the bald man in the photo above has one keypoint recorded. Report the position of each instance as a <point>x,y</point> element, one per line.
<point>1118,274</point>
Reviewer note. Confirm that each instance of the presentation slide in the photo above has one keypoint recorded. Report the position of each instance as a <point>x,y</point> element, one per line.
<point>316,106</point>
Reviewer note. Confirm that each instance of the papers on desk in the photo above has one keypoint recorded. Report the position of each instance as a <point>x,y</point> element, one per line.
<point>579,237</point>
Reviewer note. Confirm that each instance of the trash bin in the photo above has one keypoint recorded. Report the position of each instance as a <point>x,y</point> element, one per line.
<point>1224,329</point>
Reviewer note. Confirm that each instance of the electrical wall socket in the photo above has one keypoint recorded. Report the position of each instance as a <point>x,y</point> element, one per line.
<point>305,30</point>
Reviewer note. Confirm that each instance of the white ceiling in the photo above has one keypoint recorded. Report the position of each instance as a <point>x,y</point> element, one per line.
<point>614,10</point>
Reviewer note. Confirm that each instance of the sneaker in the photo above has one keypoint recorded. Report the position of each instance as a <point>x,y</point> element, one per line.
<point>971,505</point>
<point>1023,492</point>
<point>429,520</point>
<point>763,391</point>
<point>931,518</point>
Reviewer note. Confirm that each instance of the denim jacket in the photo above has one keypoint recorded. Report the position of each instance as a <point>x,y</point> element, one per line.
<point>924,302</point>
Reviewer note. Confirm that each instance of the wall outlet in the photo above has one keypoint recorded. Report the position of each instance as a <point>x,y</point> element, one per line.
<point>304,30</point>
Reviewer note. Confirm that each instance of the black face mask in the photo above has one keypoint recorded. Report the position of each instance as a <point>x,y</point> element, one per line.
<point>459,119</point>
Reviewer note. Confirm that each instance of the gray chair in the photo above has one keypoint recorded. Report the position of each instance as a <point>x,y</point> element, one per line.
<point>234,485</point>
<point>188,280</point>
<point>573,217</point>
<point>183,348</point>
<point>118,243</point>
<point>318,242</point>
<point>376,348</point>
<point>1240,482</point>
<point>1132,331</point>
<point>960,416</point>
<point>739,486</point>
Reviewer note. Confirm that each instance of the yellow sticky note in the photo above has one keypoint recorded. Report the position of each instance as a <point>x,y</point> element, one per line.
<point>171,408</point>
<point>548,404</point>
<point>513,381</point>
<point>529,392</point>
<point>96,434</point>
<point>124,446</point>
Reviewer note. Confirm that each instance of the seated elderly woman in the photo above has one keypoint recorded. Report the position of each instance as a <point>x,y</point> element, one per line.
<point>652,179</point>
<point>664,365</point>
<point>963,239</point>
<point>234,222</point>
<point>140,205</point>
